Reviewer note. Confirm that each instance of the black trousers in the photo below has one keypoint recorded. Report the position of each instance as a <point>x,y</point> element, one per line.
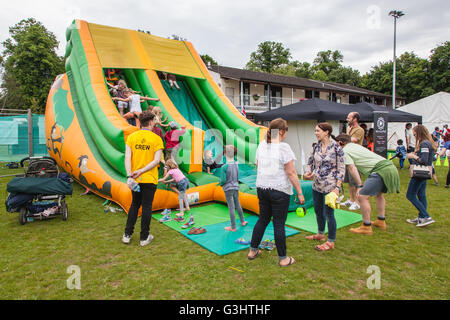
<point>272,203</point>
<point>143,198</point>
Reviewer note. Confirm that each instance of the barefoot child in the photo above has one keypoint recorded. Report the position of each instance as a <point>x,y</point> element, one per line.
<point>229,180</point>
<point>180,185</point>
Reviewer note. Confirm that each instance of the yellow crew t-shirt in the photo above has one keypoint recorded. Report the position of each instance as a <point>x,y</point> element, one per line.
<point>144,144</point>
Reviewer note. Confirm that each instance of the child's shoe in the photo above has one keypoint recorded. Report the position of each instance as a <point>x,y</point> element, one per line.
<point>166,212</point>
<point>178,218</point>
<point>165,218</point>
<point>189,223</point>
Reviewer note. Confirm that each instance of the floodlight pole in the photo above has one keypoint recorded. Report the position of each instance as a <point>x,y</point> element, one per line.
<point>396,14</point>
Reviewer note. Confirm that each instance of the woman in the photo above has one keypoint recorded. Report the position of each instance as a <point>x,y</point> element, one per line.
<point>275,177</point>
<point>327,168</point>
<point>422,155</point>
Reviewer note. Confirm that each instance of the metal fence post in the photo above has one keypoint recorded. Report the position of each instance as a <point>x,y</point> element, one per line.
<point>30,133</point>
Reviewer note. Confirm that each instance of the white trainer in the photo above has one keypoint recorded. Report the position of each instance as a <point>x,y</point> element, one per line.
<point>354,206</point>
<point>147,241</point>
<point>126,239</point>
<point>424,222</point>
<point>347,203</point>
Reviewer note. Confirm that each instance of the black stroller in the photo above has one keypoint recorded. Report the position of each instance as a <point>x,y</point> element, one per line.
<point>40,192</point>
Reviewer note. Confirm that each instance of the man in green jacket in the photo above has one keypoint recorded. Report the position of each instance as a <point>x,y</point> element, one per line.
<point>382,177</point>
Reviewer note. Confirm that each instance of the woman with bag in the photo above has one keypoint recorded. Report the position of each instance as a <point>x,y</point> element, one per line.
<point>421,170</point>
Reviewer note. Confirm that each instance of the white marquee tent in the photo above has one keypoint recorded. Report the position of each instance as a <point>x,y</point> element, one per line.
<point>435,112</point>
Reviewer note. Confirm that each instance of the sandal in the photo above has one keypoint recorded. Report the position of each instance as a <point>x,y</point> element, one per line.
<point>255,255</point>
<point>325,247</point>
<point>193,230</point>
<point>291,261</point>
<point>199,230</point>
<point>316,237</point>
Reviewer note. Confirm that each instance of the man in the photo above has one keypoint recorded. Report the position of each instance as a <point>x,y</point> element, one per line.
<point>409,138</point>
<point>382,177</point>
<point>142,155</point>
<point>357,133</point>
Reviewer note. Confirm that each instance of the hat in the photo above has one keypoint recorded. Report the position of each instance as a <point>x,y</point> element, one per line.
<point>173,124</point>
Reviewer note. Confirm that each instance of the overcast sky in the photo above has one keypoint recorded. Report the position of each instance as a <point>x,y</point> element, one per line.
<point>230,30</point>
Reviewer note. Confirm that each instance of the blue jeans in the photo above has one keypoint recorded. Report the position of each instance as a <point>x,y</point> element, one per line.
<point>401,162</point>
<point>417,195</point>
<point>232,197</point>
<point>324,214</point>
<point>272,203</point>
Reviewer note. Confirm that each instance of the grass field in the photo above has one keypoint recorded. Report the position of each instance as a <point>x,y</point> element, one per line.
<point>34,258</point>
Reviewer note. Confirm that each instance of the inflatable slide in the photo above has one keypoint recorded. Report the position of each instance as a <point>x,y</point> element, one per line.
<point>86,134</point>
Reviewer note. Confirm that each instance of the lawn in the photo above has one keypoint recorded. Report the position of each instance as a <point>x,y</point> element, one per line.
<point>34,258</point>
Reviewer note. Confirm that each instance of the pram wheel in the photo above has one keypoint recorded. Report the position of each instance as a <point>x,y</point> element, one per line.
<point>23,216</point>
<point>64,211</point>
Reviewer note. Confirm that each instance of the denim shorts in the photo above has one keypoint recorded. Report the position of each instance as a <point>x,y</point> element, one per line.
<point>373,186</point>
<point>183,185</point>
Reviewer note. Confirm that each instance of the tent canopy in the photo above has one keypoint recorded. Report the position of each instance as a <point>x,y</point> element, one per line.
<point>324,110</point>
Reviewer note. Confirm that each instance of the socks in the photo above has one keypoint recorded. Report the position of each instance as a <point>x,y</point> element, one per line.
<point>381,218</point>
<point>367,224</point>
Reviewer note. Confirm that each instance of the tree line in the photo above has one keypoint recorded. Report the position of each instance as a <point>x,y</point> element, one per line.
<point>29,64</point>
<point>416,77</point>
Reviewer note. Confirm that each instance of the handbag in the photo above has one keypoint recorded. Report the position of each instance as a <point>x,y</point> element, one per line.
<point>421,172</point>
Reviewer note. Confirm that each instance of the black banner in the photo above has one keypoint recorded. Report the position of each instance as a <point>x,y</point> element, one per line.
<point>380,136</point>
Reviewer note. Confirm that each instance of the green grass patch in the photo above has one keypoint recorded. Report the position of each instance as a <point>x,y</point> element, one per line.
<point>34,258</point>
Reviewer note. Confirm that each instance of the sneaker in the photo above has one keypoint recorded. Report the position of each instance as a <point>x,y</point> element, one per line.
<point>188,224</point>
<point>147,241</point>
<point>126,239</point>
<point>165,218</point>
<point>354,206</point>
<point>413,221</point>
<point>347,203</point>
<point>425,221</point>
<point>166,212</point>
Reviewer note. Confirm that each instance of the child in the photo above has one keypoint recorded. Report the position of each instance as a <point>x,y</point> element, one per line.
<point>180,185</point>
<point>134,100</point>
<point>208,162</point>
<point>172,139</point>
<point>229,180</point>
<point>172,81</point>
<point>159,121</point>
<point>400,153</point>
<point>118,91</point>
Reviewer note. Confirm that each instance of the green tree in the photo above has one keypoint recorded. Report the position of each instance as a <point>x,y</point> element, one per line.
<point>304,70</point>
<point>207,58</point>
<point>328,61</point>
<point>269,56</point>
<point>345,75</point>
<point>31,64</point>
<point>440,67</point>
<point>412,79</point>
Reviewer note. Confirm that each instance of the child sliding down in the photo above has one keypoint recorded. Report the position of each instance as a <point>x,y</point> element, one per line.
<point>179,184</point>
<point>229,180</point>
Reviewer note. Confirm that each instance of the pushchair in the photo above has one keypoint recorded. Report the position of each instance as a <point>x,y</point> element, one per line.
<point>40,192</point>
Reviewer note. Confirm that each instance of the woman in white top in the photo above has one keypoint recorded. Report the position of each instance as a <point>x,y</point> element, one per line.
<point>276,175</point>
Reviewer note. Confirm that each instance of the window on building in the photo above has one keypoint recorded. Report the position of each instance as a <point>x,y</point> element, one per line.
<point>308,94</point>
<point>354,99</point>
<point>229,92</point>
<point>316,94</point>
<point>246,94</point>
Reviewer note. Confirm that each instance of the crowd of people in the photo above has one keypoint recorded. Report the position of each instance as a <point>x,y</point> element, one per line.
<point>333,161</point>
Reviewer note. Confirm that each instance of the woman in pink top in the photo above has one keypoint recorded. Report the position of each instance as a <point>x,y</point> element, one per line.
<point>179,185</point>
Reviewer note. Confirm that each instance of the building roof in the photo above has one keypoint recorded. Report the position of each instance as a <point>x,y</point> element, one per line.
<point>289,81</point>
